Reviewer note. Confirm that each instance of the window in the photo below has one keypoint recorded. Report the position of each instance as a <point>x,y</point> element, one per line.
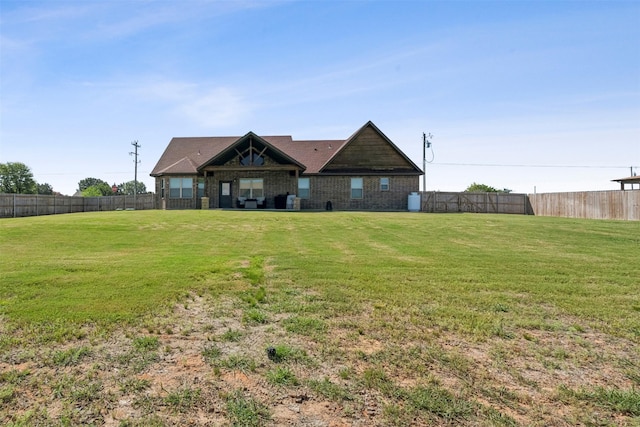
<point>251,188</point>
<point>200,187</point>
<point>225,188</point>
<point>384,184</point>
<point>356,188</point>
<point>303,188</point>
<point>181,188</point>
<point>251,158</point>
<point>162,187</point>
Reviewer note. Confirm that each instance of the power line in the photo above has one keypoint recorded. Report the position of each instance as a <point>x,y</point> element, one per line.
<point>533,166</point>
<point>101,173</point>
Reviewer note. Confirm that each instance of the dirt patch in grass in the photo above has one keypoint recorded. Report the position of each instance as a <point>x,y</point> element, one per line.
<point>204,363</point>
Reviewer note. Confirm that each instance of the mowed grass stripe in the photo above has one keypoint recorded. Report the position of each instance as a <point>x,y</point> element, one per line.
<point>462,272</point>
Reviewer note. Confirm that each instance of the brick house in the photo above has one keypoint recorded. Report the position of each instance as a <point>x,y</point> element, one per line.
<point>363,172</point>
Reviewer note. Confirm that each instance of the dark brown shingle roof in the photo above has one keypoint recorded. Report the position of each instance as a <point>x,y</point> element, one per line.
<point>188,155</point>
<point>313,154</point>
<point>196,150</point>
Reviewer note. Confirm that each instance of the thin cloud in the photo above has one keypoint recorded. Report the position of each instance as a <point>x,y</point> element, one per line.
<point>219,107</point>
<point>209,107</point>
<point>12,44</point>
<point>92,21</point>
<point>44,14</point>
<point>366,73</point>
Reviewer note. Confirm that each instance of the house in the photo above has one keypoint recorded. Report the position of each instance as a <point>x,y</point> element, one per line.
<point>363,172</point>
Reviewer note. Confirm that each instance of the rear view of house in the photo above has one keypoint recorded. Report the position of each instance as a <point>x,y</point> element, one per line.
<point>364,172</point>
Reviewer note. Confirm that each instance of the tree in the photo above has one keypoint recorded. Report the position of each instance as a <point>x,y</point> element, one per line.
<point>90,182</point>
<point>97,190</point>
<point>483,188</point>
<point>16,177</point>
<point>129,187</point>
<point>45,189</point>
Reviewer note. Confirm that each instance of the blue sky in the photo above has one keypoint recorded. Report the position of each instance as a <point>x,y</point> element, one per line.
<point>540,95</point>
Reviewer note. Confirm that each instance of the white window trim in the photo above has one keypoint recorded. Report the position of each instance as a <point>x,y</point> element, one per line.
<point>181,188</point>
<point>388,184</point>
<point>251,189</point>
<point>307,188</point>
<point>361,188</point>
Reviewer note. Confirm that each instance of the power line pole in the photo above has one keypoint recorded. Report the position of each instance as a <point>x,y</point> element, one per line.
<point>425,144</point>
<point>135,176</point>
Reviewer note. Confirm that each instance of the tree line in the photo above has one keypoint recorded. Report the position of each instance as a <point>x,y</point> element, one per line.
<point>483,188</point>
<point>17,178</point>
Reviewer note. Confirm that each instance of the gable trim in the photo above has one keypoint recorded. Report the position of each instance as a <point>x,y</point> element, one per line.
<point>357,133</point>
<point>207,165</point>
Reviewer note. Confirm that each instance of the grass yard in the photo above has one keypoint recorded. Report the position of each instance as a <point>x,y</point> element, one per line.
<point>158,318</point>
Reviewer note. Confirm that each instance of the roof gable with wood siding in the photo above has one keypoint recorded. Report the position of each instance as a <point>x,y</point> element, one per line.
<point>369,151</point>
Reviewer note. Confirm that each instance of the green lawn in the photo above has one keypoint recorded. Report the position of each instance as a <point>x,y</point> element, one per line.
<point>442,302</point>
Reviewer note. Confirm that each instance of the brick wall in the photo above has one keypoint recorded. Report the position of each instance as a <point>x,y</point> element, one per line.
<point>337,190</point>
<point>275,183</point>
<point>169,203</point>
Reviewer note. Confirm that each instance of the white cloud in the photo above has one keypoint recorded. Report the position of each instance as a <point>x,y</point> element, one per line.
<point>206,106</point>
<point>218,107</point>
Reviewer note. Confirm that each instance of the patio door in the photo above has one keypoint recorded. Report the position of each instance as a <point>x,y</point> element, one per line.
<point>225,198</point>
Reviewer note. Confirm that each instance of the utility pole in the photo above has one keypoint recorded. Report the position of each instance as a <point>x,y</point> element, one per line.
<point>135,176</point>
<point>425,144</point>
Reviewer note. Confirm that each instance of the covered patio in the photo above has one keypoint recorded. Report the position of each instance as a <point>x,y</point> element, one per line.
<point>629,180</point>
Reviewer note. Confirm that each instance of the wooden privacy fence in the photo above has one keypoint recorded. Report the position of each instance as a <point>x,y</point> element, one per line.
<point>623,205</point>
<point>506,203</point>
<point>20,205</point>
<point>588,204</point>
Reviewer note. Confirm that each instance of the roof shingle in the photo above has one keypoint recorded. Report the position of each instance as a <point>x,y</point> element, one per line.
<point>188,155</point>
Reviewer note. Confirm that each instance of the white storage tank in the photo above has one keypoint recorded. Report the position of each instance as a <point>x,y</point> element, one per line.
<point>290,200</point>
<point>414,202</point>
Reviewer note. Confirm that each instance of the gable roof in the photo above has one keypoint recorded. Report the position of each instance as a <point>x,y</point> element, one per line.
<point>313,153</point>
<point>273,143</point>
<point>367,139</point>
<point>187,155</point>
<point>196,150</point>
<point>190,155</point>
